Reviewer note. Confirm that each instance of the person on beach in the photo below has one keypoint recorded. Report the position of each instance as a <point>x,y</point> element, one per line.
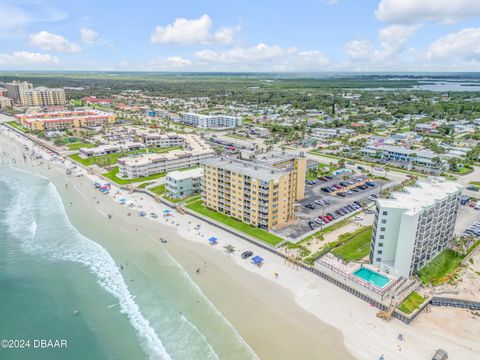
<point>205,264</point>
<point>198,271</point>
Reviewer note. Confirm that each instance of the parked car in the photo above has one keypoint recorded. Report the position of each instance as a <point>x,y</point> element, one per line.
<point>369,183</point>
<point>341,194</point>
<point>310,206</point>
<point>247,254</point>
<point>464,200</point>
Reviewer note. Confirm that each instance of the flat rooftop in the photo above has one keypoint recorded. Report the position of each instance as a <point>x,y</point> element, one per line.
<point>182,175</point>
<point>425,194</point>
<point>248,168</point>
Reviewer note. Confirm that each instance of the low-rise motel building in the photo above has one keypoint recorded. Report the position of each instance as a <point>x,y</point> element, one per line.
<point>195,149</point>
<point>260,192</point>
<point>180,184</point>
<point>63,120</point>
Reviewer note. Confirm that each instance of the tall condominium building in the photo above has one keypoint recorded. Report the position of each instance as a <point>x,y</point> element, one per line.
<point>65,120</point>
<point>261,192</point>
<point>15,87</point>
<point>5,102</point>
<point>42,96</point>
<point>413,226</point>
<point>211,121</point>
<point>195,149</point>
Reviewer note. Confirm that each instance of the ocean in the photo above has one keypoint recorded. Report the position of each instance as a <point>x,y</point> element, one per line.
<point>58,284</point>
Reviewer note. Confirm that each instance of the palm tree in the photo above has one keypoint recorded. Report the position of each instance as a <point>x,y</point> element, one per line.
<point>437,162</point>
<point>453,163</point>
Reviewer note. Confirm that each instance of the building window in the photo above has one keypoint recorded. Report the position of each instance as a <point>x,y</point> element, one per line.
<point>384,213</point>
<point>379,259</point>
<point>380,244</point>
<point>382,229</point>
<point>381,237</point>
<point>379,252</point>
<point>384,221</point>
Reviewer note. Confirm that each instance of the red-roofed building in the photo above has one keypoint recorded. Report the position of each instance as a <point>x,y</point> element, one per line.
<point>92,100</point>
<point>356,125</point>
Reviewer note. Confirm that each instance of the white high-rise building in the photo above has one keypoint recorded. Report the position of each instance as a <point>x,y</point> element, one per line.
<point>211,121</point>
<point>413,226</point>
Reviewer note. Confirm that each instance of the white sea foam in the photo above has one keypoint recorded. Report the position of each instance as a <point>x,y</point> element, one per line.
<point>59,240</point>
<point>240,342</point>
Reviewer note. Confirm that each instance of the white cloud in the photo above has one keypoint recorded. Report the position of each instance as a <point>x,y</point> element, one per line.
<point>263,58</point>
<point>392,38</point>
<point>89,36</point>
<point>193,32</point>
<point>226,34</point>
<point>461,45</point>
<point>184,31</point>
<point>258,53</point>
<point>25,59</point>
<point>178,61</point>
<point>417,11</point>
<point>52,42</point>
<point>359,50</point>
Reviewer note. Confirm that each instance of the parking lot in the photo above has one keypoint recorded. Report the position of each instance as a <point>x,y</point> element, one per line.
<point>306,216</point>
<point>465,217</point>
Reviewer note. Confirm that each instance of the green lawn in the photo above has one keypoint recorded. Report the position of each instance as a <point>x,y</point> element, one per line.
<point>260,234</point>
<point>112,175</point>
<point>437,270</point>
<point>462,170</point>
<point>356,245</point>
<point>159,190</point>
<point>411,303</point>
<point>144,185</point>
<point>187,200</point>
<point>78,145</point>
<point>475,183</point>
<point>17,126</point>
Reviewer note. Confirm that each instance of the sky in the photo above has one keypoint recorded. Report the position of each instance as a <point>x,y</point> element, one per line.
<point>247,35</point>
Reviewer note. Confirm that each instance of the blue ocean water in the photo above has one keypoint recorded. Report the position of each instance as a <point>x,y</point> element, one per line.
<point>57,284</point>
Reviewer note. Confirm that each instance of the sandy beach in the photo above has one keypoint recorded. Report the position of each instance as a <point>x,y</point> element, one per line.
<point>296,315</point>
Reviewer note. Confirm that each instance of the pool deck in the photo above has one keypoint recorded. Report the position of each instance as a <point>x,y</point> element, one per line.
<point>346,272</point>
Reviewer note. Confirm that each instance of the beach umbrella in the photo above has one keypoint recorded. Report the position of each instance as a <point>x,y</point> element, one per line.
<point>257,260</point>
<point>212,240</point>
<point>166,211</point>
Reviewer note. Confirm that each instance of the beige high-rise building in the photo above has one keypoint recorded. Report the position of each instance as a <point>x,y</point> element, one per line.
<point>5,102</point>
<point>15,87</point>
<point>261,192</point>
<point>42,96</point>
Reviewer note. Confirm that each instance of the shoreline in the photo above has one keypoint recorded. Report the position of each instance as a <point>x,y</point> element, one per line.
<point>265,315</point>
<point>328,305</point>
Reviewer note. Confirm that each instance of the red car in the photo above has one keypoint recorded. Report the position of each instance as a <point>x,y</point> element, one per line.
<point>326,219</point>
<point>330,217</point>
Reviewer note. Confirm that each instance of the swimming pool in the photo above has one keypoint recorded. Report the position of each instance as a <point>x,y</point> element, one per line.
<point>372,277</point>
